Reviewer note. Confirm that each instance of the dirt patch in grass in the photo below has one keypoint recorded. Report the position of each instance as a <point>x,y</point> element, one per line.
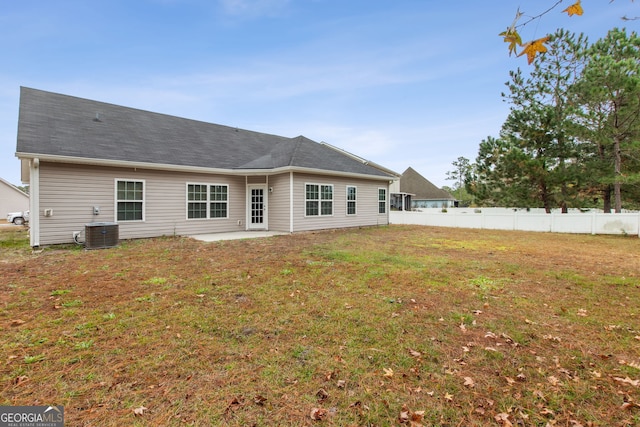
<point>368,327</point>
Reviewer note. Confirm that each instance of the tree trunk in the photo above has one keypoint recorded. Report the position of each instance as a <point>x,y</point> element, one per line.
<point>606,198</point>
<point>618,173</point>
<point>544,195</point>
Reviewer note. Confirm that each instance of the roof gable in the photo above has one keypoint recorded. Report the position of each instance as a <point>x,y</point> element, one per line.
<point>414,183</point>
<point>61,125</point>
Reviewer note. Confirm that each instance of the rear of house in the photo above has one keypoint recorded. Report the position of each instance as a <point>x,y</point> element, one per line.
<point>155,175</point>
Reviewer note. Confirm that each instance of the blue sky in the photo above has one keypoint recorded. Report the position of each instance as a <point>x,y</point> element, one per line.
<point>400,83</point>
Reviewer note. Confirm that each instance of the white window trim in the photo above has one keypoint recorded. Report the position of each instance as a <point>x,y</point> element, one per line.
<point>319,200</point>
<point>208,201</point>
<point>115,197</point>
<point>386,200</point>
<point>354,201</point>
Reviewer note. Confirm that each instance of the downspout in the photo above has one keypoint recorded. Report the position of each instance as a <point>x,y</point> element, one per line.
<point>34,202</point>
<point>291,202</point>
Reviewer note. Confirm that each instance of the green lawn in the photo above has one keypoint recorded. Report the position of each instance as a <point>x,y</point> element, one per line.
<point>398,325</point>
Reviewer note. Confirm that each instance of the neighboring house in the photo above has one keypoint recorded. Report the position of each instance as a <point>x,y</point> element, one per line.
<point>154,175</point>
<point>413,191</point>
<point>12,199</point>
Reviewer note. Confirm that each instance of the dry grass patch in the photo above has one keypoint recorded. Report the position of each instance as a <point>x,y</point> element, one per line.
<point>371,327</point>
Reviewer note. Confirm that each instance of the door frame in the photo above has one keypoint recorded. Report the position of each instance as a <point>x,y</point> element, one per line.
<point>265,210</point>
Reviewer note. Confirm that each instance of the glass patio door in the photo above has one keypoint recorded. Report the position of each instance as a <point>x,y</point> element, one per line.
<point>257,207</point>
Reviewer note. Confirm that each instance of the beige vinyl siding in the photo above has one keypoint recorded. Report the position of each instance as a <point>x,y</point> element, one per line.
<point>367,203</point>
<point>72,192</point>
<point>279,203</point>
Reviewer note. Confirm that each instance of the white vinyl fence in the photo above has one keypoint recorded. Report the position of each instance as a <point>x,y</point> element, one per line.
<point>590,222</point>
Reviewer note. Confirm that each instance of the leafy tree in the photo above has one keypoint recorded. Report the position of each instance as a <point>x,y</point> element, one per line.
<point>459,175</point>
<point>462,167</point>
<point>535,162</point>
<point>609,96</point>
<point>497,178</point>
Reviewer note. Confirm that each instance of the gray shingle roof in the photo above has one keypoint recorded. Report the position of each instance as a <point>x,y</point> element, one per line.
<point>414,183</point>
<point>61,125</point>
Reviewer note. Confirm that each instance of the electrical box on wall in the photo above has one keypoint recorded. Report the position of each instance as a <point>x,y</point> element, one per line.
<point>96,210</point>
<point>48,212</point>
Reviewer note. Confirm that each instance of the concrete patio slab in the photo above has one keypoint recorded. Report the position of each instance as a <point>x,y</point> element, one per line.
<point>235,235</point>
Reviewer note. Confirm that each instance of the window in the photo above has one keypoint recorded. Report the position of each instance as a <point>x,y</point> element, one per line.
<point>197,201</point>
<point>130,200</point>
<point>382,200</point>
<point>351,200</point>
<point>219,201</point>
<point>318,200</point>
<point>207,201</point>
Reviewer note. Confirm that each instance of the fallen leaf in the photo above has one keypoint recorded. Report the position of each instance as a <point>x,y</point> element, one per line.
<point>234,404</point>
<point>388,372</point>
<point>259,400</point>
<point>414,353</point>
<point>629,405</point>
<point>503,419</point>
<point>322,395</point>
<point>414,419</point>
<point>341,384</point>
<point>20,379</point>
<point>627,380</point>
<point>17,322</point>
<point>546,411</point>
<point>448,397</point>
<point>318,414</point>
<point>139,410</point>
<point>403,417</point>
<point>468,382</point>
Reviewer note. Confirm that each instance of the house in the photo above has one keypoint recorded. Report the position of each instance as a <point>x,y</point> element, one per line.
<point>154,174</point>
<point>12,199</point>
<point>413,191</point>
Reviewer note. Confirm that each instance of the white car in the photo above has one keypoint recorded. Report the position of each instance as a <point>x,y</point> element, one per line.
<point>18,218</point>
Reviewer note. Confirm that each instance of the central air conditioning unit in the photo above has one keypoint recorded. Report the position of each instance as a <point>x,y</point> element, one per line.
<point>99,235</point>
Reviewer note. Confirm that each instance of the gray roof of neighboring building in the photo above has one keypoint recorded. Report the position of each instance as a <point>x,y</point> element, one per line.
<point>414,183</point>
<point>52,124</point>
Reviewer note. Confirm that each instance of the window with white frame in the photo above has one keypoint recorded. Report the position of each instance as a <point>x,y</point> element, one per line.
<point>382,200</point>
<point>351,200</point>
<point>318,200</point>
<point>207,201</point>
<point>129,200</point>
